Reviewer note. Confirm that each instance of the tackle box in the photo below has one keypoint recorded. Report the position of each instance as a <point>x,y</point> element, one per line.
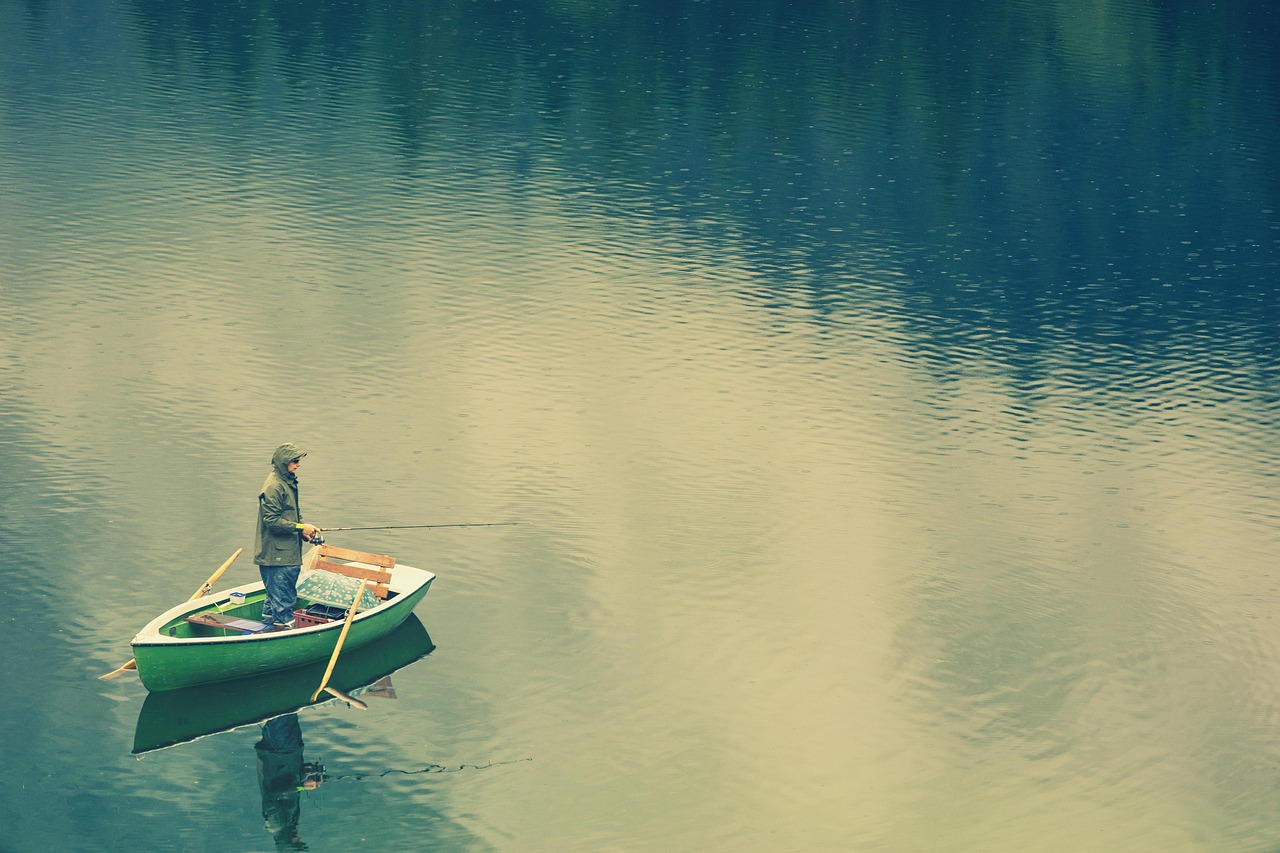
<point>317,614</point>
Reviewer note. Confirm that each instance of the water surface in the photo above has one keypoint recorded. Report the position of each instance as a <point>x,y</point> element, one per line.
<point>888,393</point>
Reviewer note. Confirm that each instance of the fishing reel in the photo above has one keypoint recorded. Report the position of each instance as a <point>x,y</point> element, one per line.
<point>312,776</point>
<point>317,539</point>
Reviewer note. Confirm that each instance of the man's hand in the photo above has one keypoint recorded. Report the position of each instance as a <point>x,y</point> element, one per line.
<point>309,531</point>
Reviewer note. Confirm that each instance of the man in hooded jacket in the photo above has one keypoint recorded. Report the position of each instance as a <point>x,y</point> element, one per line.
<point>281,532</point>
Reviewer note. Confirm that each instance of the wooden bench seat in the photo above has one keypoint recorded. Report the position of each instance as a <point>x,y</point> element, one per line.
<point>378,578</point>
<point>226,621</point>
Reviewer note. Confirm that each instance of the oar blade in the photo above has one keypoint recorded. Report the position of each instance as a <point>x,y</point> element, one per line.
<point>350,700</point>
<point>116,673</point>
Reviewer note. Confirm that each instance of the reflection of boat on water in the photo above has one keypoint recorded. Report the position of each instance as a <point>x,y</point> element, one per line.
<point>177,716</point>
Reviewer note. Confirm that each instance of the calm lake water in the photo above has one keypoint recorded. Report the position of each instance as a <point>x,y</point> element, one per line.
<point>889,394</point>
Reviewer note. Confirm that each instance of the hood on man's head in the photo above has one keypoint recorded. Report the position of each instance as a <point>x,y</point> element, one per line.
<point>286,453</point>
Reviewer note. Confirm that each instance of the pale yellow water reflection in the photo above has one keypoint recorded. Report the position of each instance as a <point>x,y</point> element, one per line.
<point>767,596</point>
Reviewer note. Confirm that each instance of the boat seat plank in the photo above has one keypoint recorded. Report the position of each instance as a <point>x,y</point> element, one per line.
<point>379,579</point>
<point>382,560</point>
<point>226,621</point>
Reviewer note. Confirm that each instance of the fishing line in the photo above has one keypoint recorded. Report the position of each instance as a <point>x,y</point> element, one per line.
<point>426,526</point>
<point>430,768</point>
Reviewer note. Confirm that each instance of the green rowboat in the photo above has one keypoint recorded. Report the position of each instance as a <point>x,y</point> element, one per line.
<point>216,638</point>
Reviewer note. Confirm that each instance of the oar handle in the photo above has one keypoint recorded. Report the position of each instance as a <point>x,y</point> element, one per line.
<point>201,591</point>
<point>207,587</point>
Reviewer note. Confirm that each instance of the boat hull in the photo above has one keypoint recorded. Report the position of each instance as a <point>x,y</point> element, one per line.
<point>167,659</point>
<point>173,717</point>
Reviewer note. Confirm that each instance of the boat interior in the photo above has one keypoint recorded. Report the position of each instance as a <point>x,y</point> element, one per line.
<point>231,616</point>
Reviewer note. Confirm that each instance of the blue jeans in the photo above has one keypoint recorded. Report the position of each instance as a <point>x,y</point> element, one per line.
<point>281,583</point>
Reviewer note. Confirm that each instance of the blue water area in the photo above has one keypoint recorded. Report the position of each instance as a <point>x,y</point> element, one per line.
<point>887,394</point>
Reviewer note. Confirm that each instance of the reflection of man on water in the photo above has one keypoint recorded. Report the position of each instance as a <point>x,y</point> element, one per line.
<point>282,777</point>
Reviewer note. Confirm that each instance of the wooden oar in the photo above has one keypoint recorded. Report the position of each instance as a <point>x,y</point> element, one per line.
<point>350,700</point>
<point>346,626</point>
<point>207,586</point>
<point>201,591</point>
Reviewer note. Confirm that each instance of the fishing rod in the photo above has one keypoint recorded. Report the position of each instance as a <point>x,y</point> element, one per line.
<point>423,526</point>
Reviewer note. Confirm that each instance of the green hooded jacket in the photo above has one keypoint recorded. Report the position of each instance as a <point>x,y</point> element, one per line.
<point>279,541</point>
